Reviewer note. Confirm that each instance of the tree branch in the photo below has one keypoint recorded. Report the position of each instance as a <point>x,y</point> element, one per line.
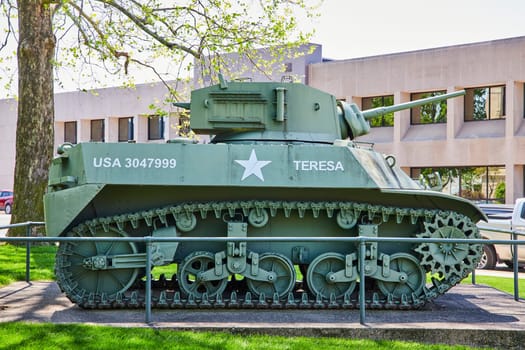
<point>9,7</point>
<point>148,31</point>
<point>113,51</point>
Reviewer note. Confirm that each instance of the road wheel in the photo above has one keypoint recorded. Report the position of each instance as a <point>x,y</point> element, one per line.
<point>8,209</point>
<point>488,258</point>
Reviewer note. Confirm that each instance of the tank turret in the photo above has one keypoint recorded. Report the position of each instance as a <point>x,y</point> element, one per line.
<point>289,112</point>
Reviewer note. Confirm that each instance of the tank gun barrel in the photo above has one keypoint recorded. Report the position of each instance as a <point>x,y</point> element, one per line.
<point>356,121</point>
<point>375,112</point>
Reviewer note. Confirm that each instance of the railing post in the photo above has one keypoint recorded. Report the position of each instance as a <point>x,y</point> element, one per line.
<point>515,267</point>
<point>148,279</point>
<point>362,301</point>
<point>28,253</point>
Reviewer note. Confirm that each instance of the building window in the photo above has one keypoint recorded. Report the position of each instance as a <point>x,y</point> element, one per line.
<point>379,101</point>
<point>125,129</point>
<point>428,113</point>
<point>70,132</point>
<point>288,67</point>
<point>155,128</point>
<point>480,184</point>
<point>484,103</point>
<point>97,130</point>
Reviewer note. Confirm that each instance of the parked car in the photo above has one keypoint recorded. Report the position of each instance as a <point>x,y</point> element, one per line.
<point>507,217</point>
<point>6,201</point>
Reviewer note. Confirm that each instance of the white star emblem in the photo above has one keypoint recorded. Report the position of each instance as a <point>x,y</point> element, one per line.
<point>253,166</point>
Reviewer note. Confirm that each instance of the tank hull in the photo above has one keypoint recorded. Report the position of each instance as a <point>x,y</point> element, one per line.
<point>251,190</point>
<point>111,179</point>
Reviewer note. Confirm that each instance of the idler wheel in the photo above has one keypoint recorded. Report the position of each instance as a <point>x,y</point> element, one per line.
<point>190,279</point>
<point>81,266</point>
<point>412,277</point>
<point>321,276</point>
<point>281,279</point>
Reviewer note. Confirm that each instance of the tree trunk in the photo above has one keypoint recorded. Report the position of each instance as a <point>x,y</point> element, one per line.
<point>35,130</point>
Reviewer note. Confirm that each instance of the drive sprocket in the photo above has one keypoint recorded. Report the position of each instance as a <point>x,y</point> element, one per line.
<point>450,259</point>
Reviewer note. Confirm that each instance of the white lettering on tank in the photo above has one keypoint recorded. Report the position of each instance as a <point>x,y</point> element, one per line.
<point>318,165</point>
<point>134,163</point>
<point>106,162</point>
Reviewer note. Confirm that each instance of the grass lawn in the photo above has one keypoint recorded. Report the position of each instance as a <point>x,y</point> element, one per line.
<point>13,263</point>
<point>52,336</point>
<point>505,284</point>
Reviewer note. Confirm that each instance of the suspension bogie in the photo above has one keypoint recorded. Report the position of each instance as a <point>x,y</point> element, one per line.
<point>267,271</point>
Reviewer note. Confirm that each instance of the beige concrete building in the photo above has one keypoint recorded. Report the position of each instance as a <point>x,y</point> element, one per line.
<point>476,142</point>
<point>289,65</point>
<point>103,115</point>
<point>8,109</point>
<point>484,130</point>
<point>125,114</point>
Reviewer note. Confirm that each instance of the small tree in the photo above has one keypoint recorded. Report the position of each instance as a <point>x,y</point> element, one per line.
<point>499,193</point>
<point>112,36</point>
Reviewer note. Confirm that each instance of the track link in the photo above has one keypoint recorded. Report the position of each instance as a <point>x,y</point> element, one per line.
<point>166,293</point>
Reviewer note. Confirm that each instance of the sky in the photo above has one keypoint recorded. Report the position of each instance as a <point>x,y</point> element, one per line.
<point>361,28</point>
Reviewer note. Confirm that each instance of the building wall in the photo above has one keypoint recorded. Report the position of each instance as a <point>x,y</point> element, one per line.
<point>288,66</point>
<point>8,109</point>
<point>110,104</point>
<point>84,106</point>
<point>456,142</point>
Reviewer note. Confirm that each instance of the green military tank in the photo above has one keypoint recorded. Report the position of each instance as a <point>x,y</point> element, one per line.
<point>282,163</point>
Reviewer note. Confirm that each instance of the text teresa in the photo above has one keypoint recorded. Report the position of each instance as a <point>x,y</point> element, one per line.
<point>318,165</point>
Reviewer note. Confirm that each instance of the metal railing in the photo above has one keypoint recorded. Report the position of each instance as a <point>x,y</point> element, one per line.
<point>361,241</point>
<point>514,242</point>
<point>29,229</point>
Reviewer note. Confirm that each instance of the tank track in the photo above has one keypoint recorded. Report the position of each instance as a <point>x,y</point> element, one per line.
<point>165,293</point>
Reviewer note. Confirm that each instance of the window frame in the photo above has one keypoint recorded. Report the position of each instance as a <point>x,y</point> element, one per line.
<point>72,122</point>
<point>433,93</point>
<point>462,175</point>
<point>382,116</point>
<point>489,114</point>
<point>92,128</point>
<point>130,134</point>
<point>160,126</point>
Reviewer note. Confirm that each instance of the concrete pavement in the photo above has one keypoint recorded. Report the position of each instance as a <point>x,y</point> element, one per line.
<point>472,315</point>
